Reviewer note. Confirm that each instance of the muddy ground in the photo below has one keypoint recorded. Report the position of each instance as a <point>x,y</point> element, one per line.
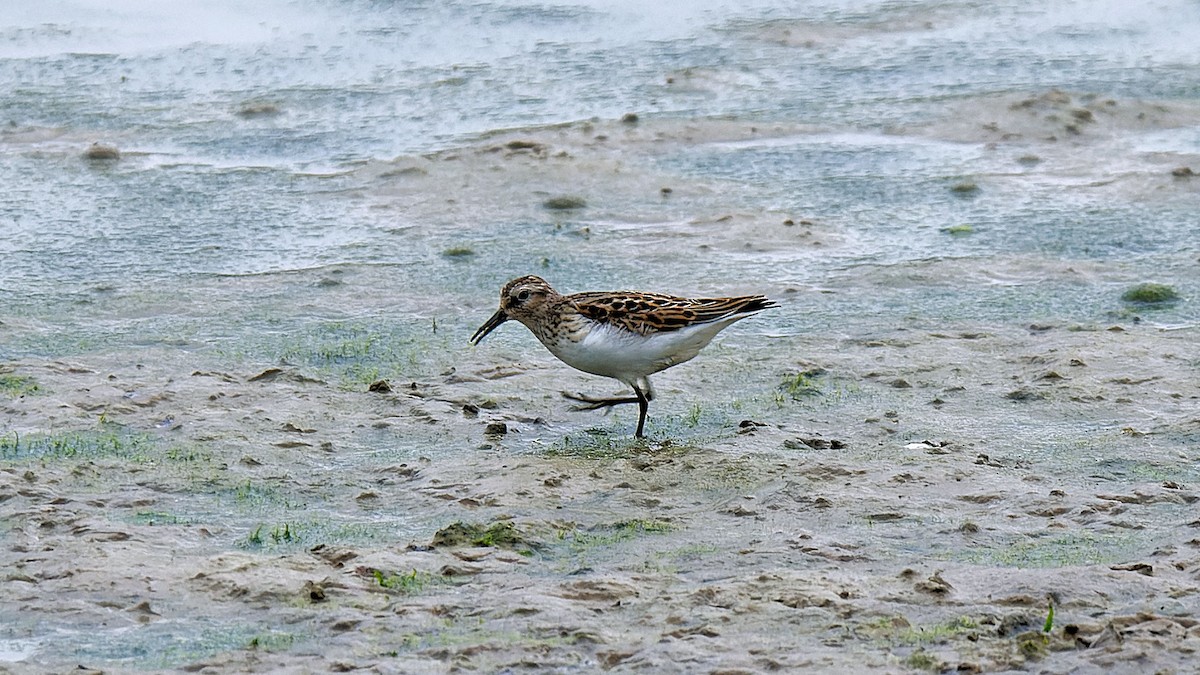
<point>900,491</point>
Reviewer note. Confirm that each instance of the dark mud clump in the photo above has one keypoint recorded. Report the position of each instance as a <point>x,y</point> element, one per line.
<point>495,535</point>
<point>252,110</point>
<point>102,152</point>
<point>565,203</point>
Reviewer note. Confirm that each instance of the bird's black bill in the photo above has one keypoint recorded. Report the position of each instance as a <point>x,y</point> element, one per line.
<point>492,324</point>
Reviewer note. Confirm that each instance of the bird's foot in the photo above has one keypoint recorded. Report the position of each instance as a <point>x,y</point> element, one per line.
<point>593,403</point>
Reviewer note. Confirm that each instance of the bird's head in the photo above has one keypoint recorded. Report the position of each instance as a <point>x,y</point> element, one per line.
<point>520,299</point>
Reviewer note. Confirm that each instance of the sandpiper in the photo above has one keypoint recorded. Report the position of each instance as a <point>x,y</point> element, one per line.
<point>625,335</point>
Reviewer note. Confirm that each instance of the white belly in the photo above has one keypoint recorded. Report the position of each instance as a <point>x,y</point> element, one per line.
<point>625,356</point>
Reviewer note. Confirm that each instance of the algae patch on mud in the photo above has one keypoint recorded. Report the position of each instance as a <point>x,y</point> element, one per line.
<point>1070,549</point>
<point>564,203</point>
<point>1150,294</point>
<point>496,535</point>
<point>164,646</point>
<point>353,354</point>
<point>92,444</point>
<point>798,386</point>
<point>409,583</point>
<point>595,443</point>
<point>458,252</point>
<point>580,539</point>
<point>581,547</point>
<point>897,630</point>
<point>15,386</point>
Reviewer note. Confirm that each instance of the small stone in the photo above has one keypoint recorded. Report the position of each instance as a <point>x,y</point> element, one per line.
<point>748,426</point>
<point>935,585</point>
<point>102,152</point>
<point>267,375</point>
<point>316,593</point>
<point>629,118</point>
<point>380,387</point>
<point>1141,568</point>
<point>495,429</point>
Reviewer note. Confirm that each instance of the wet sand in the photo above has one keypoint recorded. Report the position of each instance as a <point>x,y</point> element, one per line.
<point>910,490</point>
<point>816,536</point>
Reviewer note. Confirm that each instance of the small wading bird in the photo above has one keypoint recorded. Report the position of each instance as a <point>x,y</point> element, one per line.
<point>625,335</point>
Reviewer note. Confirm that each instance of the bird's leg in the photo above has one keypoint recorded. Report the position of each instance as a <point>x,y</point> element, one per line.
<point>592,403</point>
<point>643,405</point>
<point>643,394</point>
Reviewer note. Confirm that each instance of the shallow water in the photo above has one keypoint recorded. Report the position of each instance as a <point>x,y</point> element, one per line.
<point>948,200</point>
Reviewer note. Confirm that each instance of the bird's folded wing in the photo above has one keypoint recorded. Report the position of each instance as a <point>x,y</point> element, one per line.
<point>648,312</point>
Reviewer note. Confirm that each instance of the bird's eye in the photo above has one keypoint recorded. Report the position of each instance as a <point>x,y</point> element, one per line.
<point>523,295</point>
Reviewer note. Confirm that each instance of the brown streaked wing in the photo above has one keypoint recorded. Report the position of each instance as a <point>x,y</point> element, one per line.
<point>646,312</point>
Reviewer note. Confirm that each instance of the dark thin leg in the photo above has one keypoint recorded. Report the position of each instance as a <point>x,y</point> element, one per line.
<point>591,403</point>
<point>643,406</point>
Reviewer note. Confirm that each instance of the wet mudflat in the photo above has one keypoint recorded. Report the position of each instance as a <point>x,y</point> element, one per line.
<point>243,429</point>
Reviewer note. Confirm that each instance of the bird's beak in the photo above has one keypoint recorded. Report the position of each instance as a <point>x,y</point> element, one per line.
<point>492,324</point>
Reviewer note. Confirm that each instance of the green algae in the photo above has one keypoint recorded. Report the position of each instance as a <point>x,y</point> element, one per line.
<point>596,443</point>
<point>898,631</point>
<point>1150,294</point>
<point>1071,549</point>
<point>85,444</point>
<point>16,386</point>
<point>409,583</point>
<point>503,534</point>
<point>959,230</point>
<point>608,534</point>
